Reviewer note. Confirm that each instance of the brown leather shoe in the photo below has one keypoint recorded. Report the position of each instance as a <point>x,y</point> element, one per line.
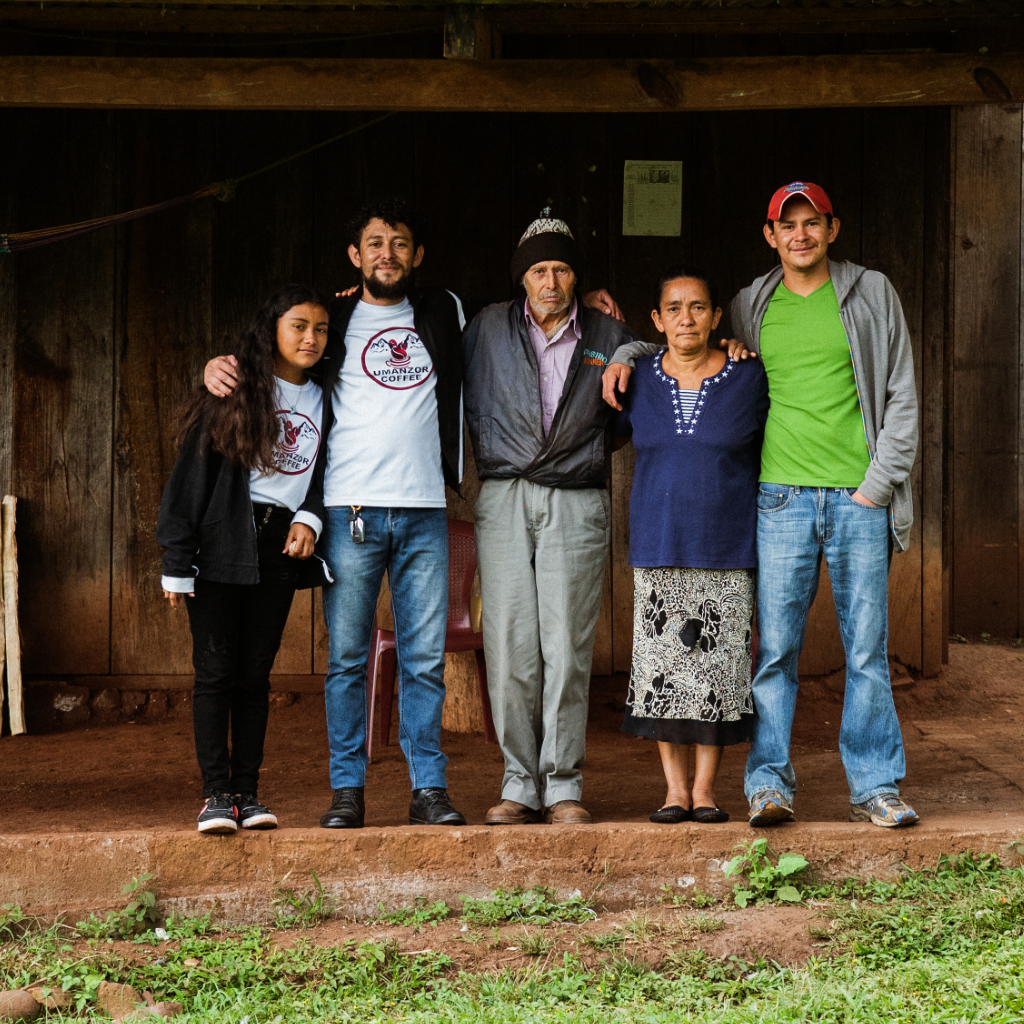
<point>508,812</point>
<point>567,812</point>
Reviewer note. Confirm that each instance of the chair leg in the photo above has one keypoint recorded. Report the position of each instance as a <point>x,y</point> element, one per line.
<point>485,698</point>
<point>372,666</point>
<point>388,671</point>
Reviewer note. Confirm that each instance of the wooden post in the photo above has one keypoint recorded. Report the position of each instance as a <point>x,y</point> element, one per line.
<point>11,636</point>
<point>468,34</point>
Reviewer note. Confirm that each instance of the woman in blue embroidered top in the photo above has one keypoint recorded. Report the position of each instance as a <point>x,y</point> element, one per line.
<point>697,421</point>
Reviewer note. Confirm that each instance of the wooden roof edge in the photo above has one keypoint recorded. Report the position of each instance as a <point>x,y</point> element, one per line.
<point>763,9</point>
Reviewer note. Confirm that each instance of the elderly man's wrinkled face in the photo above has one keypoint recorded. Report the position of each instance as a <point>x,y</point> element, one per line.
<point>549,287</point>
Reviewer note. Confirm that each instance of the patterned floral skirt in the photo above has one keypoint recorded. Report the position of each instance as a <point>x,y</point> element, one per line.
<point>691,656</point>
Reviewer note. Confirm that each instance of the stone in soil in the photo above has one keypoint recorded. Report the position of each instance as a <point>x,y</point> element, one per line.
<point>57,999</point>
<point>18,1005</point>
<point>118,1000</point>
<point>132,701</point>
<point>165,1009</point>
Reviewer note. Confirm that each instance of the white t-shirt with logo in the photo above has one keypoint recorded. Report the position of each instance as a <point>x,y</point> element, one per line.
<point>299,412</point>
<point>384,449</point>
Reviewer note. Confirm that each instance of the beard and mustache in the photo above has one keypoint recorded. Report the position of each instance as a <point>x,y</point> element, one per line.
<point>396,289</point>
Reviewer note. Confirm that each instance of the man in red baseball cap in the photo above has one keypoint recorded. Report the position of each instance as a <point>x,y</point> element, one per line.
<point>838,449</point>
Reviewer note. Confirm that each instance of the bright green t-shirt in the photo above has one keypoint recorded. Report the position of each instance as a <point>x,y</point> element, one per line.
<point>815,432</point>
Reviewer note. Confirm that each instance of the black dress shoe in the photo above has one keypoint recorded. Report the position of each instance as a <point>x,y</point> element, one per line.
<point>672,815</point>
<point>348,809</point>
<point>432,807</point>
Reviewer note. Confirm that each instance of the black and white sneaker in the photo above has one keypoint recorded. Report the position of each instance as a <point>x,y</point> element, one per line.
<point>252,814</point>
<point>219,815</point>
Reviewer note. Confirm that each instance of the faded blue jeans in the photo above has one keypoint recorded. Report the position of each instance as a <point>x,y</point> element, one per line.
<point>795,527</point>
<point>412,545</point>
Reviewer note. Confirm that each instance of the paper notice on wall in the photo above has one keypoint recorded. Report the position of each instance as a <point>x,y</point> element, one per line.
<point>652,197</point>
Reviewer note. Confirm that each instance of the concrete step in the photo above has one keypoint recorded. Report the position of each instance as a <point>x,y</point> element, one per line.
<point>619,865</point>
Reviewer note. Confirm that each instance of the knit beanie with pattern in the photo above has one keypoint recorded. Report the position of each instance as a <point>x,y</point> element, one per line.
<point>547,238</point>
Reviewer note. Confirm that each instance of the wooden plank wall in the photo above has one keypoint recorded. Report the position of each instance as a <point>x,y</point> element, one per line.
<point>112,329</point>
<point>987,508</point>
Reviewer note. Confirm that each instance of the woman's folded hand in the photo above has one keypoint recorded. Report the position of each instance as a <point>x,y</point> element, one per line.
<point>300,541</point>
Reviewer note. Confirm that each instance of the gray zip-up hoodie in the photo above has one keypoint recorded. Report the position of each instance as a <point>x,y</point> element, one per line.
<point>883,368</point>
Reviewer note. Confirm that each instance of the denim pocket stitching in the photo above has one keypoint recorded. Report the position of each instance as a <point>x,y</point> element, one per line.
<point>787,497</point>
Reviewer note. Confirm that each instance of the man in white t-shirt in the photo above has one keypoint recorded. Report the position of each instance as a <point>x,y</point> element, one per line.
<point>392,380</point>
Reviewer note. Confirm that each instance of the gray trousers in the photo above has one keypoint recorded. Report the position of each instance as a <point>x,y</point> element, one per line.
<point>542,553</point>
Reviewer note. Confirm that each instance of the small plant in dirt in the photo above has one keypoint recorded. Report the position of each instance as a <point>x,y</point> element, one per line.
<point>139,915</point>
<point>698,898</point>
<point>295,909</point>
<point>706,923</point>
<point>538,905</point>
<point>644,926</point>
<point>606,940</point>
<point>765,879</point>
<point>419,914</point>
<point>535,943</point>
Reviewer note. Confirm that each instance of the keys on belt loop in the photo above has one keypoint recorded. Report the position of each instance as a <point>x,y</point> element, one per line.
<point>266,519</point>
<point>355,524</point>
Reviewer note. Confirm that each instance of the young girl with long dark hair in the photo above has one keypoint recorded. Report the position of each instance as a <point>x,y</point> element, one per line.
<point>238,524</point>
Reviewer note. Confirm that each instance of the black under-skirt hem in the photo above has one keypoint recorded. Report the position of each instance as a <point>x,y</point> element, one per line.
<point>685,731</point>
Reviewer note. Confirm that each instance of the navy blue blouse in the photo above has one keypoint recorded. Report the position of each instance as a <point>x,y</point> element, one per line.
<point>694,500</point>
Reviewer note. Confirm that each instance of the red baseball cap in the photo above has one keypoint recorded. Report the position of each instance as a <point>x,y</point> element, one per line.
<point>814,194</point>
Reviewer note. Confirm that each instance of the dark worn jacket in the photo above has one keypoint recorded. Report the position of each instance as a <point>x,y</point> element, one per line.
<point>503,402</point>
<point>206,526</point>
<point>436,317</point>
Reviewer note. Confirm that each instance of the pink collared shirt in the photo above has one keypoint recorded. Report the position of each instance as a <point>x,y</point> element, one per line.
<point>553,358</point>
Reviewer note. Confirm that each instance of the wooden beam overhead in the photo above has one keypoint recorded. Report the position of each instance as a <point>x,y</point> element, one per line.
<point>747,83</point>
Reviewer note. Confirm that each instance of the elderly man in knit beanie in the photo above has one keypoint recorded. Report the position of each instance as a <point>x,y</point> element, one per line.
<point>540,432</point>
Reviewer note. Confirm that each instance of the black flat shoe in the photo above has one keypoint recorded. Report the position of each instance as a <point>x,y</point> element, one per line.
<point>348,809</point>
<point>673,815</point>
<point>709,815</point>
<point>432,807</point>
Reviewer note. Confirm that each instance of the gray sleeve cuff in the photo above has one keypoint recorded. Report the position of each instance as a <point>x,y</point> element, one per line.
<point>310,520</point>
<point>633,350</point>
<point>178,584</point>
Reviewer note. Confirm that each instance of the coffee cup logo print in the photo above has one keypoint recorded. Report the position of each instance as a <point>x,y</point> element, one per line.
<point>297,444</point>
<point>396,358</point>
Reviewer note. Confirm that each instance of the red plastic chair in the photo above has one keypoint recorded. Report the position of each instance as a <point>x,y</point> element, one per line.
<point>383,662</point>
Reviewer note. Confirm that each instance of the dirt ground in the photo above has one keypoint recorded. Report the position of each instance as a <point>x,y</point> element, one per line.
<point>962,733</point>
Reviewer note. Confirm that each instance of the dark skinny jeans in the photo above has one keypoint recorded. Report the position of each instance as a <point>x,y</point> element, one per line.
<point>236,633</point>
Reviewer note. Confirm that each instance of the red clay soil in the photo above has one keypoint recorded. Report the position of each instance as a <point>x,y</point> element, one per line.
<point>962,733</point>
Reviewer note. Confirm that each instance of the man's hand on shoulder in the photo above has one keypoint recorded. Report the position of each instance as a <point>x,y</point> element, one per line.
<point>616,377</point>
<point>221,376</point>
<point>737,350</point>
<point>347,292</point>
<point>603,303</point>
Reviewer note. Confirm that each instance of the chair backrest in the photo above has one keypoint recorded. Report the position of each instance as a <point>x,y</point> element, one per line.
<point>461,569</point>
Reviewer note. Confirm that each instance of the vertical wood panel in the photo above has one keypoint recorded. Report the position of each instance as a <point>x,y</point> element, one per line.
<point>263,239</point>
<point>1020,399</point>
<point>635,263</point>
<point>934,327</point>
<point>345,175</point>
<point>64,365</point>
<point>986,367</point>
<point>10,127</point>
<point>164,339</point>
<point>893,243</point>
<point>826,147</point>
<point>563,163</point>
<point>465,213</point>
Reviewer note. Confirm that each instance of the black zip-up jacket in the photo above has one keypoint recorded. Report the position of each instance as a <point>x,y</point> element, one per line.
<point>503,402</point>
<point>206,526</point>
<point>436,318</point>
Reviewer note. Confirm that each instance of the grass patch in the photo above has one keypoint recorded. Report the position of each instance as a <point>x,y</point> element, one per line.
<point>944,946</point>
<point>538,905</point>
<point>420,913</point>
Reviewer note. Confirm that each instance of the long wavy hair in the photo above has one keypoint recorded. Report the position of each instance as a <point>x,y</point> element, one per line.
<point>244,427</point>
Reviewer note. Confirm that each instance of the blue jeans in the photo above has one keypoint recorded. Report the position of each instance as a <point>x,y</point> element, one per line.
<point>795,527</point>
<point>412,545</point>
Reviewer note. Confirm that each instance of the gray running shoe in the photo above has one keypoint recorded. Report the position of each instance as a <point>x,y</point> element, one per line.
<point>769,807</point>
<point>888,810</point>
